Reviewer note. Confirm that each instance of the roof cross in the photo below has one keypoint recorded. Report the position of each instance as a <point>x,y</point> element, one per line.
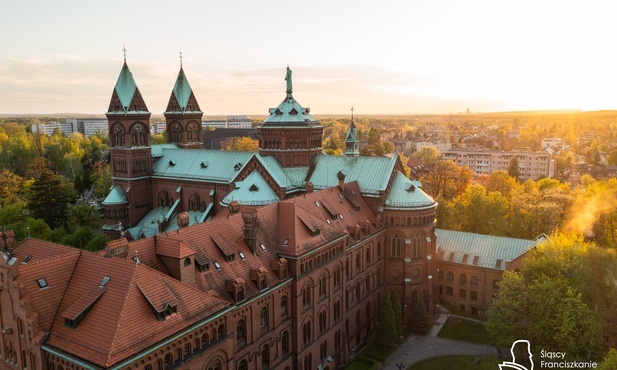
<point>124,50</point>
<point>180,59</point>
<point>352,112</point>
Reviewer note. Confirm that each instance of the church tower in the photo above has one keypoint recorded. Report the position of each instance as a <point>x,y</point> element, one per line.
<point>183,115</point>
<point>131,159</point>
<point>352,144</point>
<point>290,133</point>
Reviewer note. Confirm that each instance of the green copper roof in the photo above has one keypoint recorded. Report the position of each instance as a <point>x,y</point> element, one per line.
<point>406,194</point>
<point>198,164</point>
<point>182,93</point>
<point>289,112</point>
<point>148,226</point>
<point>372,173</point>
<point>492,252</point>
<point>291,178</point>
<point>115,196</point>
<point>352,134</point>
<point>126,90</point>
<point>252,191</point>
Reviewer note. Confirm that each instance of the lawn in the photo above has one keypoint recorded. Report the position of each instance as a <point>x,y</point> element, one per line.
<point>457,363</point>
<point>461,329</point>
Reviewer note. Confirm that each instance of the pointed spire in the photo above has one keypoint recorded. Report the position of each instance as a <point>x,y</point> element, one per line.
<point>182,98</point>
<point>352,144</point>
<point>126,96</point>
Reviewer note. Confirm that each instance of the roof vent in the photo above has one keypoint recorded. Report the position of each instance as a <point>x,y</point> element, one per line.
<point>104,281</point>
<point>172,162</point>
<point>204,164</point>
<point>411,188</point>
<point>26,259</point>
<point>238,166</point>
<point>253,188</point>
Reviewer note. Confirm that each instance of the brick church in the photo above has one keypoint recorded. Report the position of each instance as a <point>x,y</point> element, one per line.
<point>235,260</point>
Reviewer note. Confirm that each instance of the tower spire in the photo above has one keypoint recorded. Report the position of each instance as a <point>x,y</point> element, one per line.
<point>352,144</point>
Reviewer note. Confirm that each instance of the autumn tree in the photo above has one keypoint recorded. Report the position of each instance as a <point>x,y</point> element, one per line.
<point>242,144</point>
<point>101,179</point>
<point>429,155</point>
<point>10,186</point>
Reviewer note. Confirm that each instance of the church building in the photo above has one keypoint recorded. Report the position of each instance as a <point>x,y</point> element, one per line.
<point>226,260</point>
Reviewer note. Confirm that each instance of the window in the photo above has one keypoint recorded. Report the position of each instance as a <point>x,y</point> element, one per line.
<point>462,293</point>
<point>449,291</point>
<point>463,279</point>
<point>241,331</point>
<point>42,283</point>
<point>474,280</point>
<point>187,350</point>
<point>187,262</point>
<point>322,286</point>
<point>263,318</point>
<point>368,257</point>
<point>395,248</point>
<point>307,332</point>
<point>358,261</point>
<point>450,276</point>
<point>221,330</point>
<point>243,365</point>
<point>440,274</point>
<point>337,278</point>
<point>265,356</point>
<point>322,321</point>
<point>308,362</point>
<point>323,349</point>
<point>473,295</point>
<point>306,296</point>
<point>168,361</point>
<point>378,249</point>
<point>415,247</point>
<point>337,310</point>
<point>285,343</point>
<point>284,306</point>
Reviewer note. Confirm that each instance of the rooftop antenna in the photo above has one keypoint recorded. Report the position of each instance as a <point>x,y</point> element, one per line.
<point>180,59</point>
<point>124,51</point>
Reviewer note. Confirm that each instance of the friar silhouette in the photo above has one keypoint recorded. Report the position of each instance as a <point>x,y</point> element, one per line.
<point>506,365</point>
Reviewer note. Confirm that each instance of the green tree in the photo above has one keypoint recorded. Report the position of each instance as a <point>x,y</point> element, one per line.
<point>397,310</point>
<point>610,360</point>
<point>513,169</point>
<point>612,158</point>
<point>83,215</point>
<point>429,155</point>
<point>507,314</point>
<point>50,197</point>
<point>386,327</point>
<point>101,179</point>
<point>419,321</point>
<point>79,239</point>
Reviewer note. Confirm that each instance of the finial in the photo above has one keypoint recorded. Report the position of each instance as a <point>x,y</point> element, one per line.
<point>124,50</point>
<point>180,59</point>
<point>288,79</point>
<point>352,113</point>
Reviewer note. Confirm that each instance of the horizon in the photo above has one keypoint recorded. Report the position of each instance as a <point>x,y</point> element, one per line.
<point>396,59</point>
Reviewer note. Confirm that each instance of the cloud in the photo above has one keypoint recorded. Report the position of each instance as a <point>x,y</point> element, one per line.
<point>68,83</point>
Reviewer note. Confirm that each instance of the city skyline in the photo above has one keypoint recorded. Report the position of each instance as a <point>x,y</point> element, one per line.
<point>398,58</point>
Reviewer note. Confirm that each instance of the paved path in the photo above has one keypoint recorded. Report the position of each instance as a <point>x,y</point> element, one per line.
<point>417,348</point>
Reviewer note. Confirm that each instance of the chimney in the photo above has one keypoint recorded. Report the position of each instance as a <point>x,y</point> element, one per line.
<point>341,180</point>
<point>249,215</point>
<point>183,219</point>
<point>310,187</point>
<point>7,241</point>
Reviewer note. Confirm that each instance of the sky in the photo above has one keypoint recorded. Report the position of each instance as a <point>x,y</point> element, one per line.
<point>381,57</point>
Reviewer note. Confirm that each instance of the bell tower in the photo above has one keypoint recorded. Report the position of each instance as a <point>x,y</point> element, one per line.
<point>183,115</point>
<point>290,133</point>
<point>131,158</point>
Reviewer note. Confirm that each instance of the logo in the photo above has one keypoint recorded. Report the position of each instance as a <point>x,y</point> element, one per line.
<point>523,347</point>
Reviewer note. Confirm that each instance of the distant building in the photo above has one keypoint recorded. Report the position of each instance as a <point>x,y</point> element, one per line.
<point>239,122</point>
<point>531,165</point>
<point>442,146</point>
<point>48,128</point>
<point>88,126</point>
<point>158,128</point>
<point>211,124</point>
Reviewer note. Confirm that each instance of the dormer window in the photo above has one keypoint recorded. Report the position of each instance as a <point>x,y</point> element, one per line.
<point>238,166</point>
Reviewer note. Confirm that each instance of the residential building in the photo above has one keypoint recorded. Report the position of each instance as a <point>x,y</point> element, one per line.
<point>89,126</point>
<point>531,165</point>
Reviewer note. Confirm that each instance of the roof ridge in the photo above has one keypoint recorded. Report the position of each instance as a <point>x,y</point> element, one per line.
<point>122,312</point>
<point>51,259</point>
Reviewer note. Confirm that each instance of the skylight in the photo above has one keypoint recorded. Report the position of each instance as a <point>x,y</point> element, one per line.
<point>263,247</point>
<point>242,255</point>
<point>285,242</point>
<point>317,204</point>
<point>42,283</point>
<point>104,281</point>
<point>217,265</point>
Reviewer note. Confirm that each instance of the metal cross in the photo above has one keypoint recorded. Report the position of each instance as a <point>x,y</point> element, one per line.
<point>124,50</point>
<point>352,112</point>
<point>180,59</point>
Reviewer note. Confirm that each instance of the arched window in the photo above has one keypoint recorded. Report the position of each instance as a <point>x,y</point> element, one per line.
<point>187,262</point>
<point>263,318</point>
<point>204,340</point>
<point>118,135</point>
<point>221,330</point>
<point>241,331</point>
<point>168,361</point>
<point>192,131</point>
<point>138,135</point>
<point>284,306</point>
<point>307,332</point>
<point>175,132</point>
<point>306,295</point>
<point>337,277</point>
<point>415,247</point>
<point>474,280</point>
<point>450,276</point>
<point>265,356</point>
<point>322,286</point>
<point>463,279</point>
<point>196,203</point>
<point>323,321</point>
<point>165,200</point>
<point>395,246</point>
<point>337,310</point>
<point>285,343</point>
<point>440,274</point>
<point>243,365</point>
